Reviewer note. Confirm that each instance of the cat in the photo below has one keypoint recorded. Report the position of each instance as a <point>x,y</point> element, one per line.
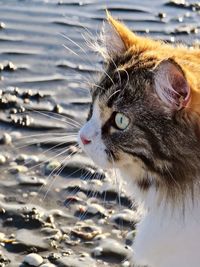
<point>144,121</point>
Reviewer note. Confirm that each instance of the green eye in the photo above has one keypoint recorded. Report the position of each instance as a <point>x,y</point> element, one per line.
<point>121,121</point>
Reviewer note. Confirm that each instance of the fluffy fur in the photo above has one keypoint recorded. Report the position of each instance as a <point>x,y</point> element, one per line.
<point>157,86</point>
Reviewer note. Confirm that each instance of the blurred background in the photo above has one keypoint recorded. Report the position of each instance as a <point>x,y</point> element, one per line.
<point>53,201</point>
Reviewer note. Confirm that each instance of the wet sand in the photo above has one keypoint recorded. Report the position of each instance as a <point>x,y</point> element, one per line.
<point>56,207</point>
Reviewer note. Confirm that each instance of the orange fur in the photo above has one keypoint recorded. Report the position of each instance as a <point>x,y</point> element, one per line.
<point>187,58</point>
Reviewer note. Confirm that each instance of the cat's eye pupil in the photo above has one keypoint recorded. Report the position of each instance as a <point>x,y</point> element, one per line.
<point>121,121</point>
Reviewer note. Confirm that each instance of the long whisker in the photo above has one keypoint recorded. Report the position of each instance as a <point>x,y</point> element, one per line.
<point>49,149</point>
<point>44,114</point>
<point>52,115</point>
<point>64,117</point>
<point>113,94</point>
<point>57,174</point>
<point>70,50</point>
<point>73,42</point>
<point>29,143</point>
<point>116,181</point>
<point>63,151</point>
<point>38,135</point>
<point>120,80</point>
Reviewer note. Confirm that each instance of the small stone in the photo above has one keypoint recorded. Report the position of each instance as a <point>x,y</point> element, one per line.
<point>30,180</point>
<point>21,158</point>
<point>130,237</point>
<point>29,239</point>
<point>31,160</point>
<point>33,259</point>
<point>6,139</point>
<point>47,265</point>
<point>2,159</point>
<point>75,261</point>
<point>125,264</point>
<point>97,251</point>
<point>112,248</point>
<point>162,15</point>
<point>186,30</point>
<point>194,30</point>
<point>95,209</point>
<point>33,194</point>
<point>18,169</point>
<point>127,218</point>
<point>15,135</point>
<point>86,231</point>
<point>51,166</point>
<point>2,237</point>
<point>57,109</point>
<point>10,67</point>
<point>2,25</point>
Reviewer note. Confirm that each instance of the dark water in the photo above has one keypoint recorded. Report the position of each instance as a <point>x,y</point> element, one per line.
<point>42,83</point>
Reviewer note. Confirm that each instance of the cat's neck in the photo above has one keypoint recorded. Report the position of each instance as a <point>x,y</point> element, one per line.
<point>150,196</point>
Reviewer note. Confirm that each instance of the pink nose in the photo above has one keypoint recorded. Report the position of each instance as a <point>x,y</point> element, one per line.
<point>84,140</point>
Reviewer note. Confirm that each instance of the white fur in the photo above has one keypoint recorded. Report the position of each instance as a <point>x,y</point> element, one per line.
<point>167,235</point>
<point>92,131</point>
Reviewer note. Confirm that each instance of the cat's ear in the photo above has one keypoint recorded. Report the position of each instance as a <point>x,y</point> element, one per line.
<point>171,84</point>
<point>123,36</point>
<point>113,38</point>
<point>116,38</point>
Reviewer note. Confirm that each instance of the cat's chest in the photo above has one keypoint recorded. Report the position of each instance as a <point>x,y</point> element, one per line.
<point>168,239</point>
<point>167,235</point>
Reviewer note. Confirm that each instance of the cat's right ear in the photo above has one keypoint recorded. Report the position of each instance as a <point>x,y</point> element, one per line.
<point>171,84</point>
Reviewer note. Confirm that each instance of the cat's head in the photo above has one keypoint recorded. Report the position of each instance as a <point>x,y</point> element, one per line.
<point>138,118</point>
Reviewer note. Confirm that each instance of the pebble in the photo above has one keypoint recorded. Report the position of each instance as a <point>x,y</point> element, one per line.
<point>30,180</point>
<point>125,264</point>
<point>28,160</point>
<point>86,231</point>
<point>126,218</point>
<point>47,265</point>
<point>186,30</point>
<point>33,259</point>
<point>4,261</point>
<point>10,67</point>
<point>51,166</point>
<point>15,135</point>
<point>57,109</point>
<point>31,239</point>
<point>6,139</point>
<point>76,261</point>
<point>130,237</point>
<point>2,25</point>
<point>95,209</point>
<point>2,159</point>
<point>111,248</point>
<point>18,169</point>
<point>162,15</point>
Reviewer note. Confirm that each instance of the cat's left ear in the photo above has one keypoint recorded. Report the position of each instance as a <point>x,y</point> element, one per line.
<point>116,38</point>
<point>171,84</point>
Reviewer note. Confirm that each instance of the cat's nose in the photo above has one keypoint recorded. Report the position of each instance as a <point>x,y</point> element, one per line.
<point>84,140</point>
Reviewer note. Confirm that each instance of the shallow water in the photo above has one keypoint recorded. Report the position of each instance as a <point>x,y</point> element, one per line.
<point>44,87</point>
